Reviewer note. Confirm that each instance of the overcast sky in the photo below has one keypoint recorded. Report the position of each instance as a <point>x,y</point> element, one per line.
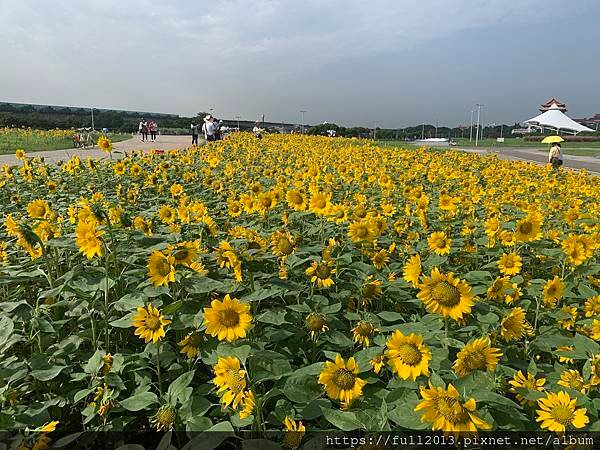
<point>392,63</point>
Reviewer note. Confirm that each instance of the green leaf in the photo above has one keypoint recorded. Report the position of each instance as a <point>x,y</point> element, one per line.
<point>129,302</point>
<point>344,420</point>
<point>274,316</point>
<point>123,322</point>
<point>47,374</point>
<point>211,438</point>
<point>95,363</point>
<point>139,401</point>
<point>177,387</point>
<point>302,388</point>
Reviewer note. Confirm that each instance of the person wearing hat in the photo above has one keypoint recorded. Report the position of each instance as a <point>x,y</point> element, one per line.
<point>209,128</point>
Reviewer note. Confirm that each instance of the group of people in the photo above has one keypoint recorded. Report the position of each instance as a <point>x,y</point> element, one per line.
<point>211,128</point>
<point>146,128</point>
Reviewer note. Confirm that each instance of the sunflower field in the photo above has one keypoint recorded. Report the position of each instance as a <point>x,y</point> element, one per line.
<point>297,284</point>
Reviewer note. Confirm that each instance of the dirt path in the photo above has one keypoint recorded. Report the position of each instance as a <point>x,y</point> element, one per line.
<point>590,163</point>
<point>119,148</point>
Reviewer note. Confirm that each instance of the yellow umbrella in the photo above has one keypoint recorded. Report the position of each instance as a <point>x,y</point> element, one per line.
<point>552,139</point>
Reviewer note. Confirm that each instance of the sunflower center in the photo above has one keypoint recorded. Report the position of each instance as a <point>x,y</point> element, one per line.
<point>562,414</point>
<point>323,271</point>
<point>410,354</point>
<point>360,213</point>
<point>525,228</point>
<point>364,329</point>
<point>452,410</point>
<point>229,317</point>
<point>320,203</point>
<point>284,246</point>
<point>369,290</point>
<point>343,379</point>
<point>165,417</point>
<point>296,198</point>
<point>315,322</point>
<point>181,255</point>
<point>163,267</point>
<point>153,323</point>
<point>362,232</point>
<point>475,361</point>
<point>234,381</point>
<point>440,243</point>
<point>446,294</point>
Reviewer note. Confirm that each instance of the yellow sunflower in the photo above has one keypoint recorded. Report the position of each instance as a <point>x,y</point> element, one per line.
<point>230,378</point>
<point>227,320</point>
<point>510,263</point>
<point>167,214</point>
<point>444,294</point>
<point>38,209</point>
<point>553,291</point>
<point>478,354</point>
<point>380,259</point>
<point>320,273</point>
<point>363,333</point>
<point>248,404</point>
<point>361,231</point>
<point>282,243</point>
<point>514,325</point>
<point>592,306</point>
<point>520,381</point>
<point>294,432</point>
<point>340,380</point>
<point>161,268</point>
<point>149,323</point>
<point>595,370</point>
<point>320,203</point>
<point>571,378</point>
<point>315,323</point>
<point>558,412</point>
<point>105,144</point>
<point>164,419</point>
<point>439,243</point>
<point>296,200</point>
<point>412,270</point>
<point>377,362</point>
<point>529,228</point>
<point>407,355</point>
<point>190,344</point>
<point>443,409</point>
<point>88,239</point>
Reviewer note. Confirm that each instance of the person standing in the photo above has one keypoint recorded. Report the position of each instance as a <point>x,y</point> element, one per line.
<point>194,127</point>
<point>555,156</point>
<point>153,128</point>
<point>144,129</point>
<point>257,130</point>
<point>209,128</point>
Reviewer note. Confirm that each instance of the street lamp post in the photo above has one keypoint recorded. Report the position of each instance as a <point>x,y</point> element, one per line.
<point>479,105</point>
<point>302,120</point>
<point>238,122</point>
<point>92,109</point>
<point>471,128</point>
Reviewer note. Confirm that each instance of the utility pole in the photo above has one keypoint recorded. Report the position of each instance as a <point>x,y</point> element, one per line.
<point>238,122</point>
<point>302,120</point>
<point>436,127</point>
<point>422,131</point>
<point>92,109</point>
<point>471,128</point>
<point>479,105</point>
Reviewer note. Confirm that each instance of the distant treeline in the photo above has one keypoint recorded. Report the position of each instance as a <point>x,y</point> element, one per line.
<point>50,117</point>
<point>416,132</point>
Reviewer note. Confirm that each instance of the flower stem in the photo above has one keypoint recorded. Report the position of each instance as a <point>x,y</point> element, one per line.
<point>158,345</point>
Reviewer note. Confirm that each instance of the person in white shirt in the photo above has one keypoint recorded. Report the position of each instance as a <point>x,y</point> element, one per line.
<point>209,128</point>
<point>257,130</point>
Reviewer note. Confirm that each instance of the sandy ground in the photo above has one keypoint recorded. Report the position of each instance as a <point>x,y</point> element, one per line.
<point>119,149</point>
<point>590,163</point>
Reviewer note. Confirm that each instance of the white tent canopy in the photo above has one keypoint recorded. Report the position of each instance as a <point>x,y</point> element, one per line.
<point>555,119</point>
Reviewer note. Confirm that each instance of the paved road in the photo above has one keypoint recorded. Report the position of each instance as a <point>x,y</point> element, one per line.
<point>119,148</point>
<point>590,163</point>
